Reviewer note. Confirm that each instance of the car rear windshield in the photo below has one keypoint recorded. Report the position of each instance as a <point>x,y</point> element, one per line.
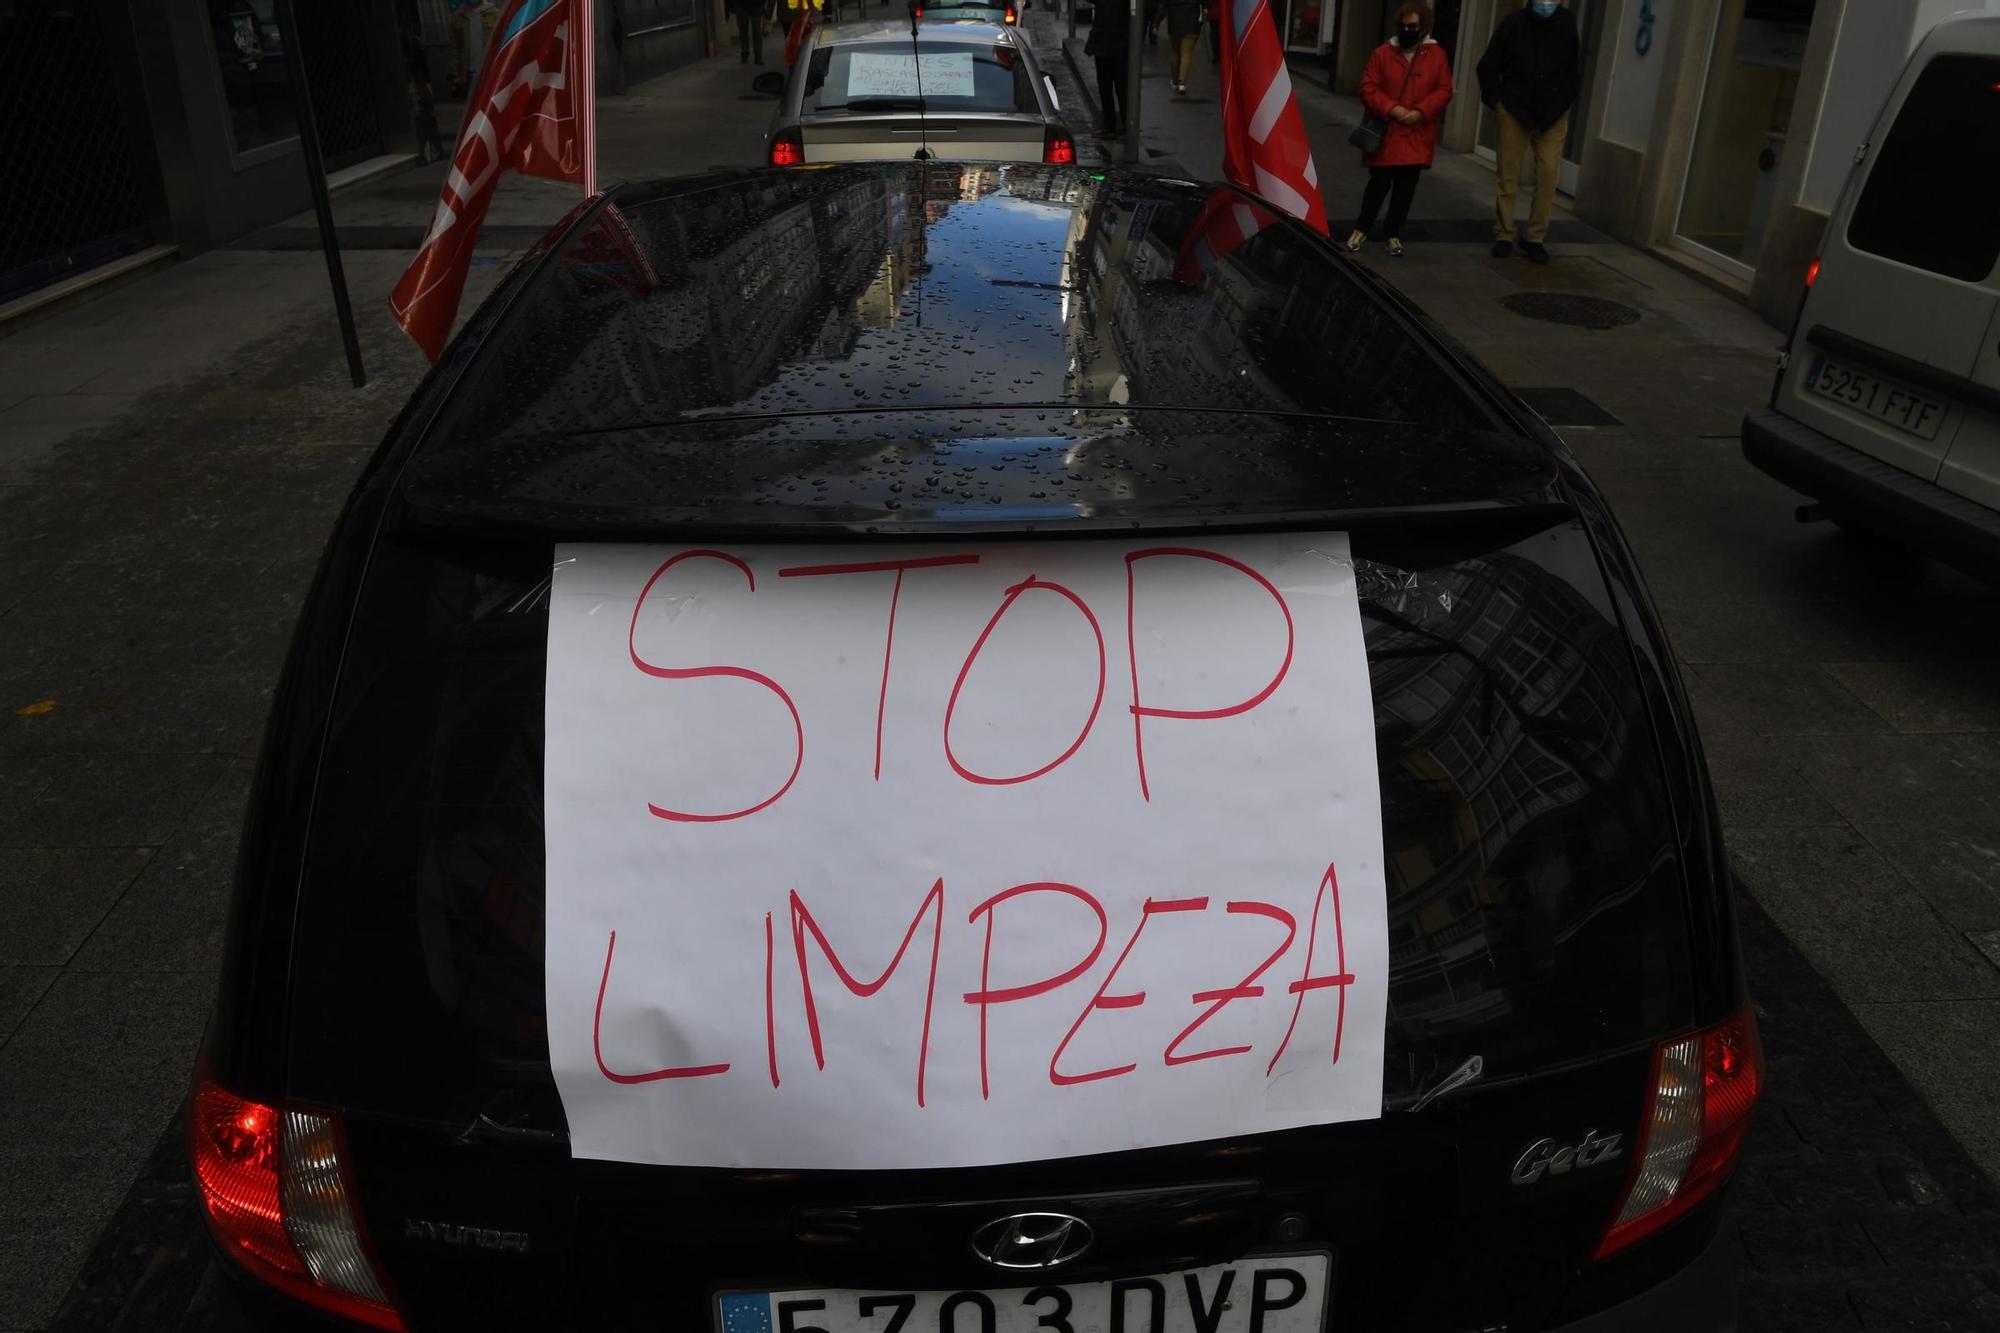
<point>900,288</point>
<point>1537,907</point>
<point>1931,200</point>
<point>866,77</point>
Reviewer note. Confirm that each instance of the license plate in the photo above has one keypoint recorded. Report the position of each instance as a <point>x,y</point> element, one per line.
<point>1271,1294</point>
<point>1880,399</point>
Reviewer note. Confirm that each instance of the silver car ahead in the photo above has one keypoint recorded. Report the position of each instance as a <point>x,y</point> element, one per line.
<point>959,92</point>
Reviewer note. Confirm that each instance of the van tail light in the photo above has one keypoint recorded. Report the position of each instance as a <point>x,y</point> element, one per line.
<point>1812,274</point>
<point>788,148</point>
<point>1058,147</point>
<point>1012,15</point>
<point>277,1197</point>
<point>1704,1088</point>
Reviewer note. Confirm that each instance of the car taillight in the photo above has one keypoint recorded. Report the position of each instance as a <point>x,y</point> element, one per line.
<point>1812,274</point>
<point>1058,147</point>
<point>1012,17</point>
<point>1704,1089</point>
<point>788,148</point>
<point>277,1200</point>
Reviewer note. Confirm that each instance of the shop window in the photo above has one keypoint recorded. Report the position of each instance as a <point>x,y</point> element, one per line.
<point>1931,199</point>
<point>636,18</point>
<point>250,57</point>
<point>1746,118</point>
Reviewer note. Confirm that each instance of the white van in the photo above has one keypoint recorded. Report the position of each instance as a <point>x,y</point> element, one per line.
<point>1887,405</point>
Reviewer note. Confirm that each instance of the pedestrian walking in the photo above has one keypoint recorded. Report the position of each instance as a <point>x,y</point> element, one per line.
<point>749,29</point>
<point>1406,88</point>
<point>1110,30</point>
<point>1184,31</point>
<point>1529,76</point>
<point>423,96</point>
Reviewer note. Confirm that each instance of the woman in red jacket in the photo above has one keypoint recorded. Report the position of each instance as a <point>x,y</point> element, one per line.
<point>1408,85</point>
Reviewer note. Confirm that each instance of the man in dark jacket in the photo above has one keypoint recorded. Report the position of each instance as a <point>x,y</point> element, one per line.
<point>1529,76</point>
<point>750,28</point>
<point>1110,29</point>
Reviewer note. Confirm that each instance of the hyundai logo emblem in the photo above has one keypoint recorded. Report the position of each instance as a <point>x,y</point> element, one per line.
<point>1032,1240</point>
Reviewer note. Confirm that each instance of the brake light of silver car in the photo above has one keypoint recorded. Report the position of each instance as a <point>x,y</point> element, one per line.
<point>1704,1089</point>
<point>277,1197</point>
<point>1058,147</point>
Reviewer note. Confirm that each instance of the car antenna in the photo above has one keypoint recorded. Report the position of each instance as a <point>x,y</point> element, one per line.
<point>917,59</point>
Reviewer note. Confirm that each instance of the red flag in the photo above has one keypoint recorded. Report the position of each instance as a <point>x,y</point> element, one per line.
<point>1264,147</point>
<point>533,111</point>
<point>1225,222</point>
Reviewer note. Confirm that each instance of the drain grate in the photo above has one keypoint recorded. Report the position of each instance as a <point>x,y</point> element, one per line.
<point>1583,312</point>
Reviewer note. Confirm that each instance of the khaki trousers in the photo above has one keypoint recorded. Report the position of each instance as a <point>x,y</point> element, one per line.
<point>1516,140</point>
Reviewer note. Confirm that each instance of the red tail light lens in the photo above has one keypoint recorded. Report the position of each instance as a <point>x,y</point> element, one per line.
<point>788,148</point>
<point>1012,17</point>
<point>1812,274</point>
<point>277,1201</point>
<point>1058,147</point>
<point>1704,1090</point>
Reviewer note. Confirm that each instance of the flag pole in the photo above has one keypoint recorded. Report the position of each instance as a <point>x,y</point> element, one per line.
<point>1135,57</point>
<point>586,93</point>
<point>329,242</point>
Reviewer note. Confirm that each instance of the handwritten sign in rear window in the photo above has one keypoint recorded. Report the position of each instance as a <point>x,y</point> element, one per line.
<point>876,74</point>
<point>901,856</point>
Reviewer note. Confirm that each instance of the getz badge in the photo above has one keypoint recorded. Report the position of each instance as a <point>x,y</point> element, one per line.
<point>1546,1156</point>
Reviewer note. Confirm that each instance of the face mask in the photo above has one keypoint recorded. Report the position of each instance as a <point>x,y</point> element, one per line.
<point>1408,36</point>
<point>1545,9</point>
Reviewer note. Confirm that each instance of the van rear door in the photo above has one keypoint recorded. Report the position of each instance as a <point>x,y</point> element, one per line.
<point>1902,304</point>
<point>1972,468</point>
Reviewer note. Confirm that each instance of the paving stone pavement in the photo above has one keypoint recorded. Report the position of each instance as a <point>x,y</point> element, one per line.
<point>173,453</point>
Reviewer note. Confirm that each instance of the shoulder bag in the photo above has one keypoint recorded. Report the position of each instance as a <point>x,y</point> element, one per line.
<point>1367,136</point>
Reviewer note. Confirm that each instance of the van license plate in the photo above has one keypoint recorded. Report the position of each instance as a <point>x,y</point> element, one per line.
<point>1886,402</point>
<point>1270,1294</point>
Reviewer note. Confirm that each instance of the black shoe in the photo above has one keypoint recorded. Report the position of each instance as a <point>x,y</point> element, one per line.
<point>1536,251</point>
<point>1501,249</point>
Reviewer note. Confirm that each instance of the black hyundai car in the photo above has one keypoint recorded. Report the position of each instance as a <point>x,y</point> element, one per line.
<point>801,612</point>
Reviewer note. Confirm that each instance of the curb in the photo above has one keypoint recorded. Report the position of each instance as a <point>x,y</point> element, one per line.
<point>56,296</point>
<point>78,286</point>
<point>1089,98</point>
<point>349,179</point>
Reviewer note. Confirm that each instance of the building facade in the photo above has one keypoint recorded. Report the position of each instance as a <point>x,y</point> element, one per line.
<point>1718,133</point>
<point>129,126</point>
<point>136,124</point>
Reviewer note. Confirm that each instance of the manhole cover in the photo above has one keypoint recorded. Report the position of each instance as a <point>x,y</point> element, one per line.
<point>1585,312</point>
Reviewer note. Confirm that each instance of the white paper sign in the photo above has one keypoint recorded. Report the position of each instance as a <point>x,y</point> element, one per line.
<point>900,856</point>
<point>892,74</point>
